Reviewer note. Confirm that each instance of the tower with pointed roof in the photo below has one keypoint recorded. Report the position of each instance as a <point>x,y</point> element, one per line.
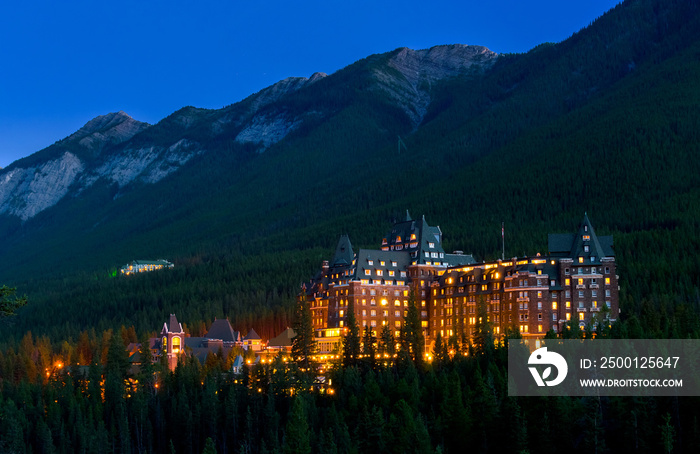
<point>172,338</point>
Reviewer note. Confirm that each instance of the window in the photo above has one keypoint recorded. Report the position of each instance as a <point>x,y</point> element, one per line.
<point>580,293</point>
<point>431,245</point>
<point>554,306</point>
<point>592,259</point>
<point>581,315</point>
<point>568,293</point>
<point>567,281</point>
<point>580,260</point>
<point>370,262</point>
<point>586,238</point>
<point>379,272</point>
<point>554,317</point>
<point>568,304</point>
<point>607,281</point>
<point>397,313</point>
<point>607,293</point>
<point>594,293</point>
<point>568,316</point>
<point>367,273</point>
<point>566,271</point>
<point>373,313</point>
<point>364,312</point>
<point>580,304</point>
<point>391,272</point>
<point>607,270</point>
<point>539,317</point>
<point>373,323</point>
<point>585,248</point>
<point>382,263</point>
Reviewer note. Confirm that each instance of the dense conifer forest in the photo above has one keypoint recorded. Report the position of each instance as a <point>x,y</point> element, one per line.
<point>605,122</point>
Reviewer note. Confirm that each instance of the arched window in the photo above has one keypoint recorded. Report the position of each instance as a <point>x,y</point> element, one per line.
<point>176,345</point>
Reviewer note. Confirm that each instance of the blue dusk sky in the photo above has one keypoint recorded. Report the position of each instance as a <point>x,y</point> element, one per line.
<point>64,63</point>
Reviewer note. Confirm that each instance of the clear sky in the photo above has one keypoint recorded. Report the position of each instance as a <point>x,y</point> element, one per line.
<point>65,62</point>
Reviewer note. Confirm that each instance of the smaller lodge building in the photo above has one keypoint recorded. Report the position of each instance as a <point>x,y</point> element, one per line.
<point>143,266</point>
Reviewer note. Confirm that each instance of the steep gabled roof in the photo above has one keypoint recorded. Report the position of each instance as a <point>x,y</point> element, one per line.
<point>221,329</point>
<point>283,340</point>
<point>584,243</point>
<point>172,326</point>
<point>343,252</point>
<point>252,335</point>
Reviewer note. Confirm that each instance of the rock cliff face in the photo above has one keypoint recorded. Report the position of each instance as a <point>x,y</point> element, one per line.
<point>119,150</point>
<point>24,192</point>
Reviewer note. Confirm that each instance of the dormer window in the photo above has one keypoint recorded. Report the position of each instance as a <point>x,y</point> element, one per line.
<point>585,248</point>
<point>431,245</point>
<point>383,241</point>
<point>370,262</point>
<point>580,260</point>
<point>398,238</point>
<point>586,238</point>
<point>394,264</point>
<point>413,236</point>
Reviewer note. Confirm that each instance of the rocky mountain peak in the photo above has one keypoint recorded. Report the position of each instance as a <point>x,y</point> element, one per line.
<point>419,69</point>
<point>109,129</point>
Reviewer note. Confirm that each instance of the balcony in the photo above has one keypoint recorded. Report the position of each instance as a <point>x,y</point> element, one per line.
<point>523,299</point>
<point>594,286</point>
<point>581,309</point>
<point>595,309</point>
<point>580,286</point>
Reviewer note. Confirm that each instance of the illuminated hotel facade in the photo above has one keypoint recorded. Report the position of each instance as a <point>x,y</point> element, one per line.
<point>576,281</point>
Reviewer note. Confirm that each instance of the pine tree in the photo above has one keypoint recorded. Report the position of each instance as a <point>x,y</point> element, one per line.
<point>296,438</point>
<point>412,339</point>
<point>351,341</point>
<point>368,348</point>
<point>387,343</point>
<point>9,303</point>
<point>304,343</point>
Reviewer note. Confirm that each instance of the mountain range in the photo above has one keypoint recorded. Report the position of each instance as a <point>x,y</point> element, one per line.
<point>605,122</point>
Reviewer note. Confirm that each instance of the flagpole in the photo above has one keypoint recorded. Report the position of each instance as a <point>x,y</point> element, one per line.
<point>503,242</point>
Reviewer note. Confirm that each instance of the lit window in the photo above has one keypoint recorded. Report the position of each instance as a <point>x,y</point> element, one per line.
<point>580,316</point>
<point>368,272</point>
<point>431,245</point>
<point>379,272</point>
<point>554,306</point>
<point>568,316</point>
<point>382,263</point>
<point>370,262</point>
<point>373,313</point>
<point>607,281</point>
<point>580,260</point>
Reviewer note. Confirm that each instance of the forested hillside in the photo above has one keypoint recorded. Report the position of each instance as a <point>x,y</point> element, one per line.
<point>604,122</point>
